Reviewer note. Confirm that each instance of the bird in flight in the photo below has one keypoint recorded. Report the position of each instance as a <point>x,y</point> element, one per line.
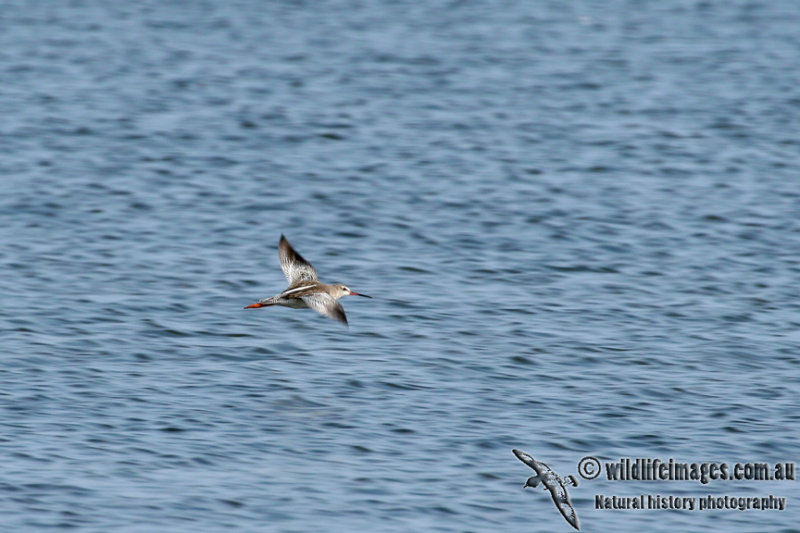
<point>553,483</point>
<point>304,289</point>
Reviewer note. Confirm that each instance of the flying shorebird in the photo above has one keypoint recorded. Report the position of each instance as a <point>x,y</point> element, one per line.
<point>304,289</point>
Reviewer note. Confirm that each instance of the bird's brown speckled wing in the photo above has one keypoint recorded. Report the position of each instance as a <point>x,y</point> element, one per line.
<point>294,267</point>
<point>324,304</point>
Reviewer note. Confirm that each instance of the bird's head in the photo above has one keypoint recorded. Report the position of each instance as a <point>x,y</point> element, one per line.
<point>532,482</point>
<point>340,290</point>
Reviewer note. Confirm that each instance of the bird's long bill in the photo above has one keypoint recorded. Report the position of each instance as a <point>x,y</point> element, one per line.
<point>357,294</point>
<point>251,306</point>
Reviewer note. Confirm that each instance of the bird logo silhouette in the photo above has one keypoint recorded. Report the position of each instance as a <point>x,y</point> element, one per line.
<point>553,483</point>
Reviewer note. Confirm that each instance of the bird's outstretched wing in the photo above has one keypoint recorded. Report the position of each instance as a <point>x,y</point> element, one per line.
<point>294,267</point>
<point>563,504</point>
<point>528,460</point>
<point>324,304</point>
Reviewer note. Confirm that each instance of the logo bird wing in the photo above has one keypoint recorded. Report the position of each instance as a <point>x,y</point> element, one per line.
<point>563,503</point>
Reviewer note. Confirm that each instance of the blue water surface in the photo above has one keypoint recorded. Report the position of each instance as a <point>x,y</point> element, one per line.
<point>578,221</point>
